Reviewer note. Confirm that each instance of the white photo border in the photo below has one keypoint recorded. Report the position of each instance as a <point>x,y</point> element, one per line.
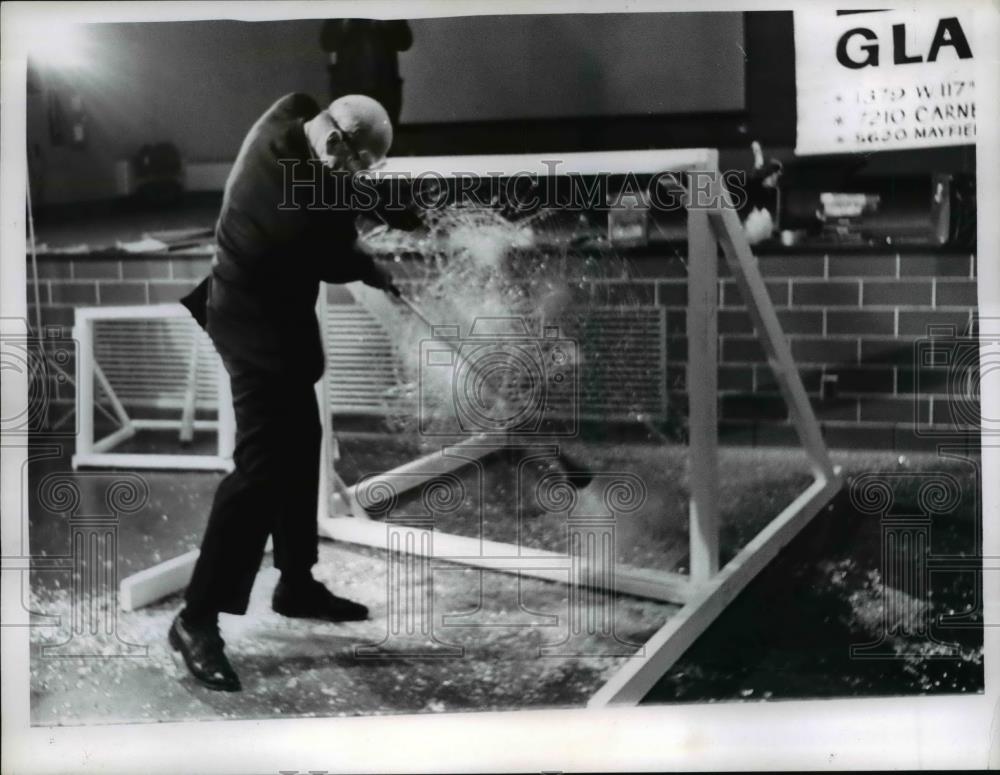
<point>909,732</point>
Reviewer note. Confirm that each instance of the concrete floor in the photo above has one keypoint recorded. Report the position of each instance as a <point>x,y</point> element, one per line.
<point>788,635</point>
<point>307,668</point>
<point>294,667</point>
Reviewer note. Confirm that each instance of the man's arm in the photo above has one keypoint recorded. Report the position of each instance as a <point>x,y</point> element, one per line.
<point>354,264</point>
<point>337,256</point>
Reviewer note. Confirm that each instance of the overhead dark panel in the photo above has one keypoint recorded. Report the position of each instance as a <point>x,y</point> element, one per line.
<point>487,68</point>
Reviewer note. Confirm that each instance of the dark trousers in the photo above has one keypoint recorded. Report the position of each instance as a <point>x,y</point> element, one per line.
<point>273,490</point>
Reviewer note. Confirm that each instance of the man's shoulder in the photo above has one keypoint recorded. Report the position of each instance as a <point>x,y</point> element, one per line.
<point>279,130</point>
<point>293,106</point>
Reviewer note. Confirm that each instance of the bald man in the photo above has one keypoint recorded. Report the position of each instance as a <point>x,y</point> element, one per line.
<point>275,243</point>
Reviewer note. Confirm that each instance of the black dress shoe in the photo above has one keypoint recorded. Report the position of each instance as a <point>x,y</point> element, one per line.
<point>311,600</point>
<point>203,650</point>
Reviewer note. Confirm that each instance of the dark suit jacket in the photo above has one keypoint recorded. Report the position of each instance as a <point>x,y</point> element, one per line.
<point>258,306</point>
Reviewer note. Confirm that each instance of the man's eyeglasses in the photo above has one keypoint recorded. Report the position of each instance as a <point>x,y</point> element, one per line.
<point>359,160</point>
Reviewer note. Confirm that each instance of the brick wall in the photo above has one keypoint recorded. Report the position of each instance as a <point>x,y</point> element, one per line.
<point>853,321</point>
<point>69,281</point>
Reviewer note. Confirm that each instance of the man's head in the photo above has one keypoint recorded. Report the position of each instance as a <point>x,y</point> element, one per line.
<point>353,134</point>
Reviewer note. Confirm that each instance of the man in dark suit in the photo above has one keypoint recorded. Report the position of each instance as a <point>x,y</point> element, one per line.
<point>275,243</point>
<point>364,59</point>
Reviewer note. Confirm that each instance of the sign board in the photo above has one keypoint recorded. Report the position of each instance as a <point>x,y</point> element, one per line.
<point>884,80</point>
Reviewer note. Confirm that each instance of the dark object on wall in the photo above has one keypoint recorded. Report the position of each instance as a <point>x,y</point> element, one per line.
<point>963,211</point>
<point>158,173</point>
<point>771,112</point>
<point>364,60</point>
<point>916,210</point>
<point>67,118</point>
<point>840,206</point>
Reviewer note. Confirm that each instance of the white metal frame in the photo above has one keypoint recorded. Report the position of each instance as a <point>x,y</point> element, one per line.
<point>96,453</point>
<point>705,592</point>
<point>708,589</point>
<point>709,229</point>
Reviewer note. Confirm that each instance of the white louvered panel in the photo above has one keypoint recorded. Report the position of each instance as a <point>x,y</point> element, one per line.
<point>147,362</point>
<point>622,369</point>
<point>364,372</point>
